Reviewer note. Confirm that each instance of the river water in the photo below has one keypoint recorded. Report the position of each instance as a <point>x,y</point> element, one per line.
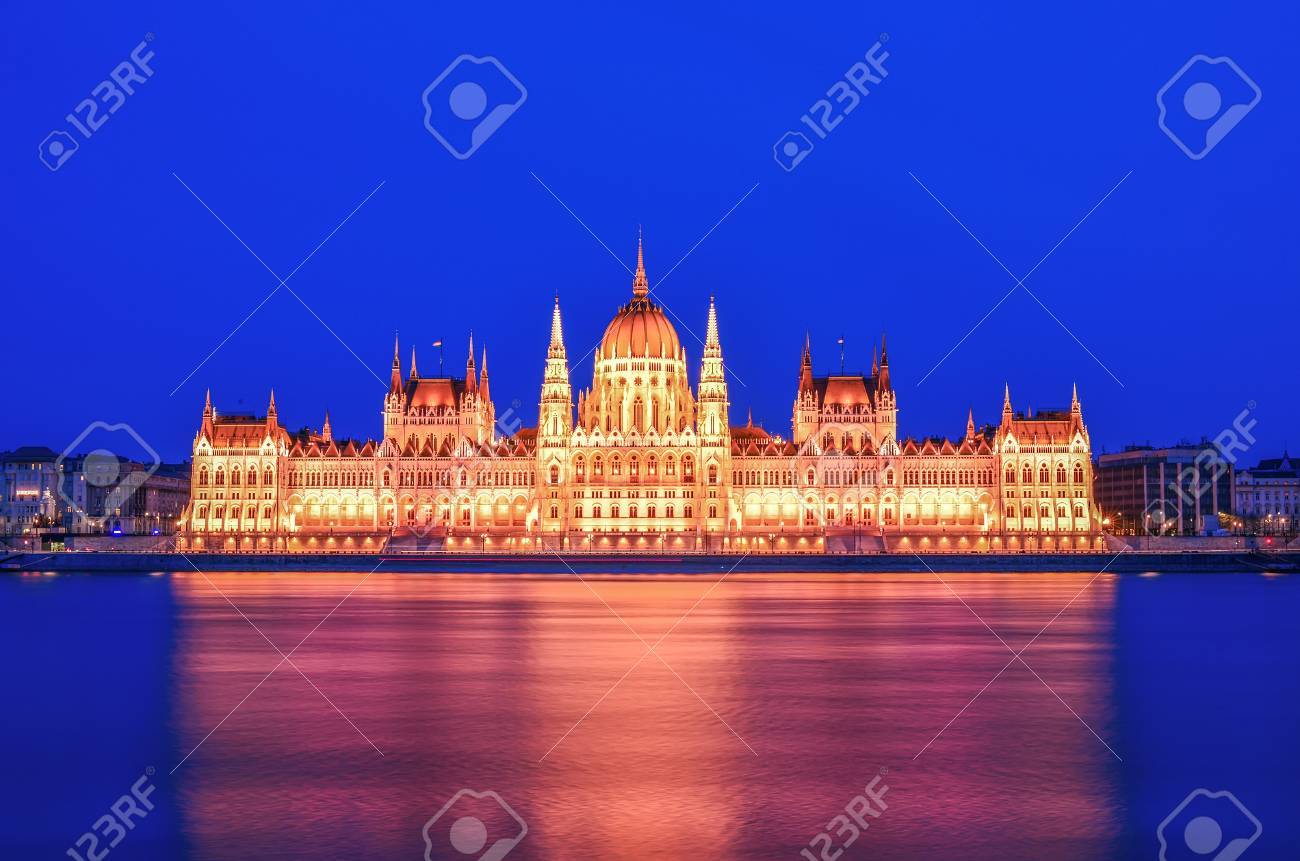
<point>644,718</point>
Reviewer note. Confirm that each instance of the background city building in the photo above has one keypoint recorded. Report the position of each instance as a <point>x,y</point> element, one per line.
<point>1268,496</point>
<point>1178,490</point>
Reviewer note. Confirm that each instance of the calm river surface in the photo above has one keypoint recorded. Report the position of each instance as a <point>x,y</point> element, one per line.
<point>768,704</point>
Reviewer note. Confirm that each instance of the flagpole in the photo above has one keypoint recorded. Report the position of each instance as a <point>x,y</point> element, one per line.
<point>841,355</point>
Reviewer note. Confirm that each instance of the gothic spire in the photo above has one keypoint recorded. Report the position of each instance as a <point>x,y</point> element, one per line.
<point>711,341</point>
<point>557,330</point>
<point>395,378</point>
<point>1006,401</point>
<point>326,431</point>
<point>415,374</point>
<point>640,284</point>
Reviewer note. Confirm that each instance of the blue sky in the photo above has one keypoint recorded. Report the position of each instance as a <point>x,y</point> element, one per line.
<point>1172,305</point>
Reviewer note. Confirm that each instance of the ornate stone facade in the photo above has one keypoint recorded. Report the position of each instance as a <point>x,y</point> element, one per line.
<point>645,462</point>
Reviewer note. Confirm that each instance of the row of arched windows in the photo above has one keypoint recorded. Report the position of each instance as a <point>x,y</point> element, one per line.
<point>1044,473</point>
<point>1026,511</point>
<point>634,467</point>
<point>236,479</point>
<point>633,511</point>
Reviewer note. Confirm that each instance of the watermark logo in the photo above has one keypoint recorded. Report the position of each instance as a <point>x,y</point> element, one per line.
<point>825,115</point>
<point>1198,478</point>
<point>101,482</point>
<point>1208,826</point>
<point>92,112</point>
<point>845,828</point>
<point>469,101</point>
<point>1161,517</point>
<point>113,826</point>
<point>1203,101</point>
<point>478,825</point>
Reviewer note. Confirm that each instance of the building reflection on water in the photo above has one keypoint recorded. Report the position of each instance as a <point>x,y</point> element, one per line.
<point>522,686</point>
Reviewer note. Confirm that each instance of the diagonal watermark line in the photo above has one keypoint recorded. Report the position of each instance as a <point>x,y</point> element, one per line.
<point>580,221</point>
<point>963,709</point>
<point>284,658</point>
<point>705,702</point>
<point>963,226</point>
<point>1068,706</point>
<point>706,235</point>
<point>1069,332</point>
<point>282,282</point>
<point>1017,655</point>
<point>1020,282</point>
<point>603,696</point>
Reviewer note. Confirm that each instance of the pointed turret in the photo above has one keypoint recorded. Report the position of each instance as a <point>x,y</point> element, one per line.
<point>556,349</point>
<point>805,365</point>
<point>712,346</point>
<point>272,417</point>
<point>555,409</point>
<point>1074,400</point>
<point>471,373</point>
<point>884,363</point>
<point>875,360</point>
<point>640,284</point>
<point>395,379</point>
<point>483,378</point>
<point>1006,404</point>
<point>970,423</point>
<point>415,374</point>
<point>326,432</point>
<point>209,414</point>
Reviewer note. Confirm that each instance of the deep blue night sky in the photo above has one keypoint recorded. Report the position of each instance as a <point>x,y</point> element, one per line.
<point>118,282</point>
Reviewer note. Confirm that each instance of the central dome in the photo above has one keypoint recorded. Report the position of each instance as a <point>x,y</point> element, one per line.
<point>641,329</point>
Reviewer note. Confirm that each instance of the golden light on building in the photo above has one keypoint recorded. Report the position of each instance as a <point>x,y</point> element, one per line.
<point>642,462</point>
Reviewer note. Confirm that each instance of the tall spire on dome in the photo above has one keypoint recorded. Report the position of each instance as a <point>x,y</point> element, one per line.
<point>1074,400</point>
<point>640,284</point>
<point>415,374</point>
<point>805,365</point>
<point>1006,402</point>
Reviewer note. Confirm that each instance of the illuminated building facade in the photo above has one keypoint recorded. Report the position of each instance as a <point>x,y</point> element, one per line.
<point>644,462</point>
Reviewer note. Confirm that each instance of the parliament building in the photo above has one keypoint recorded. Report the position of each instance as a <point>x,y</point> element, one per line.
<point>642,462</point>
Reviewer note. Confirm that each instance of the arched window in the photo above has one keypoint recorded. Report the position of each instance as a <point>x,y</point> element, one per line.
<point>1043,474</point>
<point>555,511</point>
<point>1027,512</point>
<point>1011,509</point>
<point>580,468</point>
<point>812,475</point>
<point>638,415</point>
<point>1060,473</point>
<point>203,512</point>
<point>613,510</point>
<point>615,465</point>
<point>631,510</point>
<point>597,466</point>
<point>650,511</point>
<point>652,466</point>
<point>577,511</point>
<point>654,413</point>
<point>1027,474</point>
<point>1078,511</point>
<point>1078,473</point>
<point>670,466</point>
<point>234,476</point>
<point>388,478</point>
<point>252,476</point>
<point>1060,511</point>
<point>686,511</point>
<point>713,511</point>
<point>713,473</point>
<point>555,474</point>
<point>221,477</point>
<point>688,469</point>
<point>266,512</point>
<point>668,511</point>
<point>595,511</point>
<point>634,466</point>
<point>203,477</point>
<point>1044,512</point>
